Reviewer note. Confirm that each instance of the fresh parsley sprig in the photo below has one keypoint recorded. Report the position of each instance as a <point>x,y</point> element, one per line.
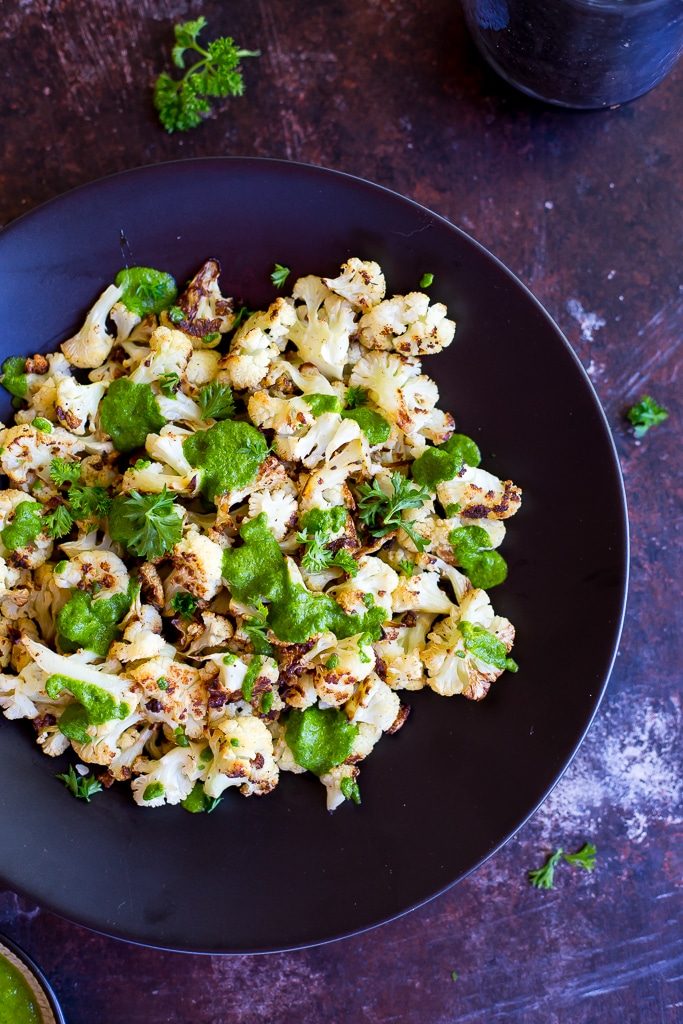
<point>216,401</point>
<point>184,604</point>
<point>58,522</point>
<point>184,103</point>
<point>63,471</point>
<point>148,525</point>
<point>544,877</point>
<point>381,512</point>
<point>645,414</point>
<point>83,787</point>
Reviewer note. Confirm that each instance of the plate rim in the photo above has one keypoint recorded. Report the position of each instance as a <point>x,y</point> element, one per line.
<point>289,166</point>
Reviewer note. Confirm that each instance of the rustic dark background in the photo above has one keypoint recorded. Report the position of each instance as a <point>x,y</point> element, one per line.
<point>584,207</point>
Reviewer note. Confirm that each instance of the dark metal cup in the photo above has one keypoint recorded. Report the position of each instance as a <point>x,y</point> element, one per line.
<point>579,53</point>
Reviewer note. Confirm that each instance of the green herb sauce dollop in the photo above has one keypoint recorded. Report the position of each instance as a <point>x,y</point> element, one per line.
<point>229,455</point>
<point>128,413</point>
<point>320,739</point>
<point>146,290</point>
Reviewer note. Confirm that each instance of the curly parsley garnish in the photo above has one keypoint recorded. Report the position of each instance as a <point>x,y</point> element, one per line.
<point>62,471</point>
<point>216,401</point>
<point>645,414</point>
<point>148,525</point>
<point>184,604</point>
<point>350,790</point>
<point>169,384</point>
<point>82,786</point>
<point>381,512</point>
<point>356,397</point>
<point>58,522</point>
<point>183,103</point>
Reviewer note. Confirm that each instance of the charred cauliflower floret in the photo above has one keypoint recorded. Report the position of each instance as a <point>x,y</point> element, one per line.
<point>197,566</point>
<point>242,756</point>
<point>204,312</point>
<point>91,346</point>
<point>480,495</point>
<point>256,344</point>
<point>169,780</point>
<point>360,282</point>
<point>407,324</point>
<point>179,701</point>
<point>170,352</point>
<point>323,327</point>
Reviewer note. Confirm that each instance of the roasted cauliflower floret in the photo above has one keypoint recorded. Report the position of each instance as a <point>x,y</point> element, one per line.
<point>323,326</point>
<point>197,566</point>
<point>480,495</point>
<point>374,579</point>
<point>76,404</point>
<point>280,508</point>
<point>256,344</point>
<point>360,282</point>
<point>170,352</point>
<point>171,693</point>
<point>205,311</point>
<point>242,756</point>
<point>374,703</point>
<point>407,324</point>
<point>91,346</point>
<point>169,780</point>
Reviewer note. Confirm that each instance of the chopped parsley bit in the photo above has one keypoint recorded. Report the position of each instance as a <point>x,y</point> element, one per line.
<point>363,641</point>
<point>184,102</point>
<point>280,275</point>
<point>212,336</point>
<point>544,877</point>
<point>212,803</point>
<point>61,566</point>
<point>583,858</point>
<point>256,628</point>
<point>332,661</point>
<point>356,397</point>
<point>216,401</point>
<point>141,464</point>
<point>234,742</point>
<point>454,975</point>
<point>162,683</point>
<point>381,512</point>
<point>645,414</point>
<point>426,280</point>
<point>153,790</point>
<point>350,790</point>
<point>267,702</point>
<point>62,471</point>
<point>148,525</point>
<point>184,604</point>
<point>58,522</point>
<point>83,787</point>
<point>206,757</point>
<point>452,510</point>
<point>242,314</point>
<point>407,568</point>
<point>40,423</point>
<point>180,737</point>
<point>229,659</point>
<point>169,382</point>
<point>175,315</point>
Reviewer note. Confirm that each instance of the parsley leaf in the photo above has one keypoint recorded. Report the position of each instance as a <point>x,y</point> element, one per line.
<point>356,397</point>
<point>645,414</point>
<point>169,384</point>
<point>256,628</point>
<point>85,502</point>
<point>583,858</point>
<point>184,604</point>
<point>350,790</point>
<point>58,522</point>
<point>381,512</point>
<point>216,401</point>
<point>148,525</point>
<point>82,786</point>
<point>544,877</point>
<point>407,568</point>
<point>183,103</point>
<point>243,313</point>
<point>64,472</point>
<point>280,275</point>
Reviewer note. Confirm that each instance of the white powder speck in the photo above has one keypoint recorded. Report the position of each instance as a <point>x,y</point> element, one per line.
<point>630,764</point>
<point>549,205</point>
<point>588,322</point>
<point>611,275</point>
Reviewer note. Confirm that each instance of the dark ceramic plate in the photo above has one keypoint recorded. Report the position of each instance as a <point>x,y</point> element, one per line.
<point>460,778</point>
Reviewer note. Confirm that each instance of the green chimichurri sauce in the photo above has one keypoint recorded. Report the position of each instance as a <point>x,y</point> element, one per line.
<point>319,739</point>
<point>257,572</point>
<point>146,290</point>
<point>374,426</point>
<point>17,1005</point>
<point>473,553</point>
<point>14,378</point>
<point>443,462</point>
<point>228,455</point>
<point>97,706</point>
<point>128,413</point>
<point>83,622</point>
<point>25,526</point>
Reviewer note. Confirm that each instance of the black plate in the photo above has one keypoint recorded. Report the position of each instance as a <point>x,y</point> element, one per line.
<point>460,778</point>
